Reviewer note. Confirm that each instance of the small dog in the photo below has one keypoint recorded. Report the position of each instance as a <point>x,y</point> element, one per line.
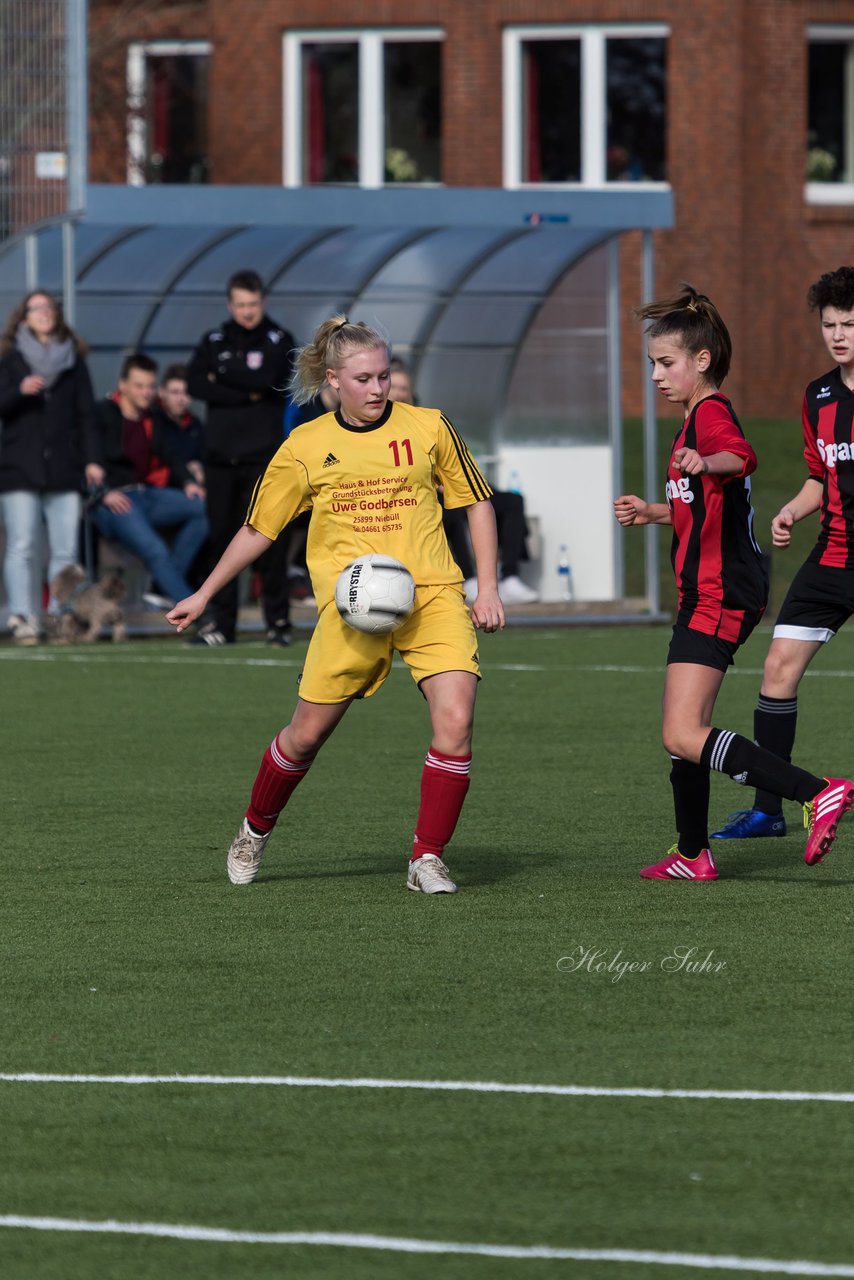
<point>87,607</point>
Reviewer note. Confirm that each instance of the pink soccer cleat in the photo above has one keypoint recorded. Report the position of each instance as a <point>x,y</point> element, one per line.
<point>822,815</point>
<point>675,867</point>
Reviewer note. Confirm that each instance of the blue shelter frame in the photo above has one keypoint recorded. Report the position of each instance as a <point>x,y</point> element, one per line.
<point>505,303</point>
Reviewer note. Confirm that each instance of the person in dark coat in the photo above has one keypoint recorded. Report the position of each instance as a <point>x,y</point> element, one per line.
<point>47,413</point>
<point>240,370</point>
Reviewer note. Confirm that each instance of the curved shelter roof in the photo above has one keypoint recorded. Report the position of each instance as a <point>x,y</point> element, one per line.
<point>458,279</point>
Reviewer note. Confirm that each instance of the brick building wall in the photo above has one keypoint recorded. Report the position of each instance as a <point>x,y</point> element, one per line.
<point>737,75</point>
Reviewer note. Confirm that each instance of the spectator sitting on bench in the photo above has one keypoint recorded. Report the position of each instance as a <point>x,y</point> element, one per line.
<point>509,517</point>
<point>134,499</point>
<point>181,428</point>
<point>184,434</point>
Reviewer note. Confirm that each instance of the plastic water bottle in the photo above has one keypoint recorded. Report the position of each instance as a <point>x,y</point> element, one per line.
<point>514,484</point>
<point>564,573</point>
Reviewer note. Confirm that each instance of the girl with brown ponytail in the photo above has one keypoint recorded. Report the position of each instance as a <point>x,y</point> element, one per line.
<point>722,582</point>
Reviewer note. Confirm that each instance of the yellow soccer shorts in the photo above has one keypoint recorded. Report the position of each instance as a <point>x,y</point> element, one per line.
<point>342,663</point>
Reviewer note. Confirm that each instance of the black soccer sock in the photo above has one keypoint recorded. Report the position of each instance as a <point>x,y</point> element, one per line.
<point>775,721</point>
<point>745,762</point>
<point>690,783</point>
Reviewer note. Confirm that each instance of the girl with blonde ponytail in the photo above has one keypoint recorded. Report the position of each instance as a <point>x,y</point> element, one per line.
<point>368,471</point>
<point>722,582</point>
<point>325,351</point>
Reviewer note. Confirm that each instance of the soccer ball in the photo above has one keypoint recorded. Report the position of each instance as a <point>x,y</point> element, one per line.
<point>375,594</point>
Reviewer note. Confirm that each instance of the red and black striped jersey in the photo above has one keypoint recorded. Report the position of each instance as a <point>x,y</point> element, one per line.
<point>720,572</point>
<point>828,421</point>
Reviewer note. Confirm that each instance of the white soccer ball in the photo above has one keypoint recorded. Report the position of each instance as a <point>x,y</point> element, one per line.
<point>375,594</point>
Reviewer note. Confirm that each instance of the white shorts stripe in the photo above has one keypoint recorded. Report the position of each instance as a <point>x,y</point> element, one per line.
<point>819,635</point>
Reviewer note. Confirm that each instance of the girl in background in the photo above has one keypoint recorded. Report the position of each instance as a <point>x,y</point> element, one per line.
<point>48,416</point>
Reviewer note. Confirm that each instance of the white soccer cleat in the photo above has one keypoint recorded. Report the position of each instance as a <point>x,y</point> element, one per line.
<point>245,854</point>
<point>428,874</point>
<point>513,590</point>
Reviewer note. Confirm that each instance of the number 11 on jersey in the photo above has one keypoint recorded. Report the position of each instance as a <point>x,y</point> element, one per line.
<point>395,448</point>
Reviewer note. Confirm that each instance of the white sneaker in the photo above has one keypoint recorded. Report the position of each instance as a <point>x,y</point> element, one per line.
<point>152,600</point>
<point>470,588</point>
<point>24,630</point>
<point>244,856</point>
<point>428,874</point>
<point>513,590</point>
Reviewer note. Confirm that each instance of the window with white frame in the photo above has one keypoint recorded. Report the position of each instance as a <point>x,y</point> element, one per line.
<point>167,94</point>
<point>585,105</point>
<point>830,113</point>
<point>363,107</point>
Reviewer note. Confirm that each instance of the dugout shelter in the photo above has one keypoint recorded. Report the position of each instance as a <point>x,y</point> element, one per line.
<point>504,303</point>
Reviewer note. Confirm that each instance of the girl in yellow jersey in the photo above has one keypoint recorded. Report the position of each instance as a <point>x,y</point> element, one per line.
<point>369,474</point>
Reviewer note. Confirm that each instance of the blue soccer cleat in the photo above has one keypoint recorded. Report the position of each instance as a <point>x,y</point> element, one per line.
<point>747,824</point>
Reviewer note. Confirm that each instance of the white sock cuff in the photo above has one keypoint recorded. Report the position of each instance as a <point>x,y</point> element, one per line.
<point>282,762</point>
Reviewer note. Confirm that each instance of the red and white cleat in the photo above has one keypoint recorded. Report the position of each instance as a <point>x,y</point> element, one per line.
<point>822,815</point>
<point>677,867</point>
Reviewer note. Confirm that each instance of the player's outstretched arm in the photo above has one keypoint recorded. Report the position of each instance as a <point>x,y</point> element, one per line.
<point>803,504</point>
<point>630,509</point>
<point>245,547</point>
<point>487,612</point>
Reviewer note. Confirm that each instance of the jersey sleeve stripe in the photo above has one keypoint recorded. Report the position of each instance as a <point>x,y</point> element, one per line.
<point>253,500</point>
<point>473,474</point>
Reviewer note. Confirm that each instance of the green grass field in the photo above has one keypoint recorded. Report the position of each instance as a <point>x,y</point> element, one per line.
<point>126,951</point>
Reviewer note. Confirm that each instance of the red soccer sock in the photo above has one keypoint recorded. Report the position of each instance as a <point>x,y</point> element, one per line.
<point>276,782</point>
<point>444,783</point>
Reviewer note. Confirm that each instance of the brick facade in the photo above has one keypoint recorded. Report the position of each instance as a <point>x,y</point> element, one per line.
<point>737,78</point>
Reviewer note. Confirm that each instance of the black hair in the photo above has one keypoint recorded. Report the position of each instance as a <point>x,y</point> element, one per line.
<point>137,360</point>
<point>248,280</point>
<point>833,289</point>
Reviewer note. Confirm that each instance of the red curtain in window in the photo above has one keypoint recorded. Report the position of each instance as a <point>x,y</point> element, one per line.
<point>315,167</point>
<point>532,120</point>
<point>160,113</point>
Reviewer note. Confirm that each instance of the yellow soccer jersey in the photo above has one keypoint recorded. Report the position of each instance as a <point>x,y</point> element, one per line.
<point>370,489</point>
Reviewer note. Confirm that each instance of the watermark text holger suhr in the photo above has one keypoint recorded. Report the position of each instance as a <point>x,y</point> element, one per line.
<point>687,960</point>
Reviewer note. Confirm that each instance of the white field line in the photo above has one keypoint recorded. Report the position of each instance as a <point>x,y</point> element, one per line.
<point>201,660</point>
<point>438,1086</point>
<point>396,1244</point>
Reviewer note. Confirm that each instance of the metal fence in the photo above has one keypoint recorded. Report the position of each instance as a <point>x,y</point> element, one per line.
<point>42,131</point>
